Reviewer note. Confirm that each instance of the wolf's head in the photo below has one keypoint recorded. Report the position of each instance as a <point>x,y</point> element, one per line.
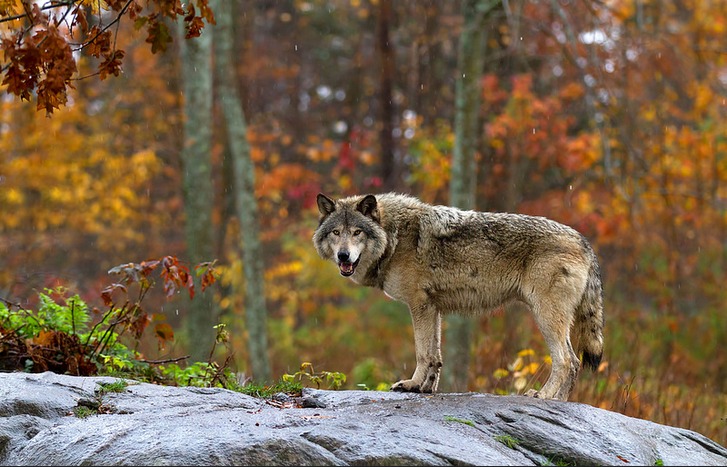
<point>349,232</point>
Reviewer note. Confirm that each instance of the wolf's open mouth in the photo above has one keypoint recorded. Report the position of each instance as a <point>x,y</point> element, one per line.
<point>347,268</point>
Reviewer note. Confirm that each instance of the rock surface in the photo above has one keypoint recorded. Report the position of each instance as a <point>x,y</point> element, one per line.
<point>147,424</point>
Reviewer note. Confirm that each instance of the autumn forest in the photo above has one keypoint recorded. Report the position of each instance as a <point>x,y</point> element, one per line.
<point>200,133</point>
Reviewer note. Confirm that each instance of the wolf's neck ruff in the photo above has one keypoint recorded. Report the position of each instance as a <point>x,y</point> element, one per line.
<point>439,259</point>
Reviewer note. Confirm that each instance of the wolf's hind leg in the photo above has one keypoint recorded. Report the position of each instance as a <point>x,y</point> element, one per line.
<point>427,324</point>
<point>553,304</point>
<point>565,363</point>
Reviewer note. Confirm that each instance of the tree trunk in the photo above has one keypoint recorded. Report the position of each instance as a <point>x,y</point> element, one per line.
<point>463,183</point>
<point>197,183</point>
<point>245,202</point>
<point>389,173</point>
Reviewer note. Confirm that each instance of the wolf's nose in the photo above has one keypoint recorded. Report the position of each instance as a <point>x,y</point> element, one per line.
<point>343,256</point>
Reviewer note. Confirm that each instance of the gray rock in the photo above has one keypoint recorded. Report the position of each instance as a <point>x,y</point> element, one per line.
<point>160,425</point>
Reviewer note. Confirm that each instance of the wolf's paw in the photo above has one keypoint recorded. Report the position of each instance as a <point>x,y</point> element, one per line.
<point>406,385</point>
<point>541,395</point>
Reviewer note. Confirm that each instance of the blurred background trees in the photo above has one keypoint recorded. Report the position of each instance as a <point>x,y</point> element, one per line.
<point>609,116</point>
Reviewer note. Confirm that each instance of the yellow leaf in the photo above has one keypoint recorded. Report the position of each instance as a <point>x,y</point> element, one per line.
<point>526,353</point>
<point>500,373</point>
<point>13,196</point>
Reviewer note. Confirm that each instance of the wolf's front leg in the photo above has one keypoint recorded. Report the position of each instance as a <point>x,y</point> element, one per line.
<point>427,323</point>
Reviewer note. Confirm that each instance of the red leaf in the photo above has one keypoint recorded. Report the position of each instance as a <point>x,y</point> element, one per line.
<point>139,323</point>
<point>176,276</point>
<point>111,65</point>
<point>106,294</point>
<point>207,273</point>
<point>164,333</point>
<point>100,42</point>
<point>194,28</point>
<point>79,15</point>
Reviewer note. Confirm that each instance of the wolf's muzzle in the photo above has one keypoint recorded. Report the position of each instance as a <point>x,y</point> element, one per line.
<point>345,265</point>
<point>343,256</point>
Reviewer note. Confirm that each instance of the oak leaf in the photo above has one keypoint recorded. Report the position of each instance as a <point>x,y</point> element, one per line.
<point>158,35</point>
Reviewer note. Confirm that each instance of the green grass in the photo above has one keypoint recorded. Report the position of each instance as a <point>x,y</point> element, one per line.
<point>449,418</point>
<point>265,391</point>
<point>83,412</point>
<point>116,386</point>
<point>558,461</point>
<point>507,440</point>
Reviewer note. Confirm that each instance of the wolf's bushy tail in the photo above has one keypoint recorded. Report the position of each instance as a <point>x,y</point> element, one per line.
<point>589,320</point>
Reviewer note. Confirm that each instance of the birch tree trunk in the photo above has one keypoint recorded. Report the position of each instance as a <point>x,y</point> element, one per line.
<point>197,184</point>
<point>463,184</point>
<point>245,202</point>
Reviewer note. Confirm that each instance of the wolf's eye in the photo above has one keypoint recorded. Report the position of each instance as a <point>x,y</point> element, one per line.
<point>356,232</point>
<point>336,233</point>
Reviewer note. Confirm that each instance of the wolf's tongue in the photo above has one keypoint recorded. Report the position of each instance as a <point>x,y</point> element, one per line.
<point>347,268</point>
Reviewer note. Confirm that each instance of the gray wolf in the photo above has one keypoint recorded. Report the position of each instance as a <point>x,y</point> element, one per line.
<point>440,260</point>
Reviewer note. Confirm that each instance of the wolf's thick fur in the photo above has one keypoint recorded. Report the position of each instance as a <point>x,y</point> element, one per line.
<point>440,260</point>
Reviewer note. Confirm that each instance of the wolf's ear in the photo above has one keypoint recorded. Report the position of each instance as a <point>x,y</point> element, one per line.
<point>368,207</point>
<point>325,204</point>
